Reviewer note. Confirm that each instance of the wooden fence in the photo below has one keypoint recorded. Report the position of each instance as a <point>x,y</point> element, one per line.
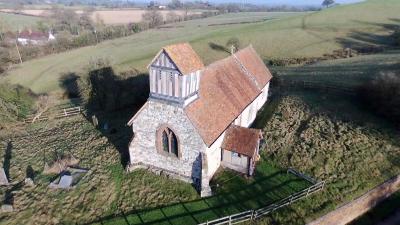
<point>256,214</point>
<point>54,114</point>
<point>296,173</point>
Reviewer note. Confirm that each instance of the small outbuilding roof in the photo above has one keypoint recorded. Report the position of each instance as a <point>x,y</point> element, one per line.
<point>184,57</point>
<point>241,140</point>
<point>33,35</point>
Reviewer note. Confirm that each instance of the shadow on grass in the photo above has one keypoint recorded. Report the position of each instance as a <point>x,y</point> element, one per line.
<point>367,42</point>
<point>111,100</point>
<point>7,159</point>
<point>260,193</point>
<point>217,47</point>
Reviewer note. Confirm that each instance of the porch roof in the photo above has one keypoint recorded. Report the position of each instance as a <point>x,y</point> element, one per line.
<point>241,140</point>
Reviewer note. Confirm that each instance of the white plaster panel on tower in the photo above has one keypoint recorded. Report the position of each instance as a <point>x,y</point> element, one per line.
<point>170,83</point>
<point>183,85</point>
<point>152,80</point>
<point>176,86</point>
<point>164,82</point>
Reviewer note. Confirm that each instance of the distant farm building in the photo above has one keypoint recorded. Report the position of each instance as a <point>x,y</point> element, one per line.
<point>196,118</point>
<point>34,37</point>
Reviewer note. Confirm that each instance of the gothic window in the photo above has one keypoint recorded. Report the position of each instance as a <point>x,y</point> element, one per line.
<point>167,142</point>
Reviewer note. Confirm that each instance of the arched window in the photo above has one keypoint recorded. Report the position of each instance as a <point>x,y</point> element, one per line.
<point>167,142</point>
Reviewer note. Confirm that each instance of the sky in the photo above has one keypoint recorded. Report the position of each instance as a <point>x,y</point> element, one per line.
<point>286,2</point>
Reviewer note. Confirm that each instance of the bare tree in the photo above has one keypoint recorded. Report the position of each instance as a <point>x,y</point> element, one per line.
<point>153,18</point>
<point>172,17</point>
<point>43,104</point>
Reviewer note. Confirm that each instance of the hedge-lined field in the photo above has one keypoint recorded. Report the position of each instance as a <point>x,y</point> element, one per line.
<point>304,35</point>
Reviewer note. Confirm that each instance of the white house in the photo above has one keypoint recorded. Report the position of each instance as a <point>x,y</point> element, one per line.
<point>196,118</point>
<point>34,37</point>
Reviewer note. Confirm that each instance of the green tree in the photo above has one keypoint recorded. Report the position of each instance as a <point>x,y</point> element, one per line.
<point>175,4</point>
<point>328,3</point>
<point>233,44</point>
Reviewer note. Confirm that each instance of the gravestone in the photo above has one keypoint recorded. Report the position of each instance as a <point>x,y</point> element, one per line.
<point>65,181</point>
<point>7,208</point>
<point>3,177</point>
<point>29,182</point>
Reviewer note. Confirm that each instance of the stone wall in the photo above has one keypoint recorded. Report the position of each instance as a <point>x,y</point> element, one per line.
<point>361,205</point>
<point>143,152</point>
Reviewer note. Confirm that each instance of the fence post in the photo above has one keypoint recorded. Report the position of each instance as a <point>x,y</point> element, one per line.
<point>230,220</point>
<point>308,191</point>
<point>65,112</point>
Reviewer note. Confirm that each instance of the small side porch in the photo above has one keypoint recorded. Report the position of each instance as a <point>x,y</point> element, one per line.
<point>240,149</point>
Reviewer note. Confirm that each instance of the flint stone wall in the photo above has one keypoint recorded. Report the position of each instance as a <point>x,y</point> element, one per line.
<point>143,151</point>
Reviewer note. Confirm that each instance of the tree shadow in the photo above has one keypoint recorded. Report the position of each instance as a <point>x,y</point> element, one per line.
<point>7,160</point>
<point>9,195</point>
<point>69,82</point>
<point>110,101</point>
<point>212,207</point>
<point>217,47</point>
<point>369,43</point>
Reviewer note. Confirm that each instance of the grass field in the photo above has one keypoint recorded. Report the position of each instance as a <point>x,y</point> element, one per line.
<point>117,16</point>
<point>18,22</point>
<point>350,72</point>
<point>303,35</point>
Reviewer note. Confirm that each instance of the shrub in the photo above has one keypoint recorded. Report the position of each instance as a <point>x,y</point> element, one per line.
<point>396,37</point>
<point>383,95</point>
<point>15,102</point>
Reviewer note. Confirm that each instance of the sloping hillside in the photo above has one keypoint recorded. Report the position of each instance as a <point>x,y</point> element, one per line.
<point>18,22</point>
<point>312,34</point>
<point>347,73</point>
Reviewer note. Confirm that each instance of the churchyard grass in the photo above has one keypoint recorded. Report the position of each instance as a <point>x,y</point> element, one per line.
<point>331,137</point>
<point>106,192</point>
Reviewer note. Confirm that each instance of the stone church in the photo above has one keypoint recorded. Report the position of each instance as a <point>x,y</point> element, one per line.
<point>196,118</point>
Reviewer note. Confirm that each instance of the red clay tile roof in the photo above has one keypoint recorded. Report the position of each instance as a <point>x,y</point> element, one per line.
<point>33,35</point>
<point>226,89</point>
<point>254,65</point>
<point>241,140</point>
<point>184,57</point>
